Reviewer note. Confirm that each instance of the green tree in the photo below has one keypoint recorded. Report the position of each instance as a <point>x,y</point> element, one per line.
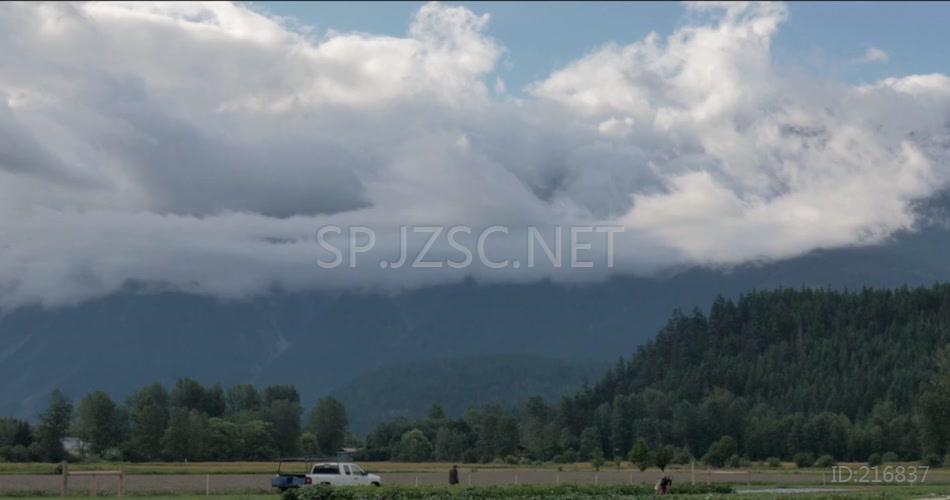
<point>187,435</point>
<point>257,440</point>
<point>285,392</point>
<point>934,409</point>
<point>414,446</point>
<point>54,423</point>
<point>721,451</point>
<point>589,443</point>
<point>148,417</point>
<point>284,416</point>
<point>328,423</point>
<point>15,432</point>
<point>640,454</point>
<point>224,439</point>
<point>188,393</point>
<point>242,398</point>
<point>663,456</point>
<point>450,444</point>
<point>98,423</point>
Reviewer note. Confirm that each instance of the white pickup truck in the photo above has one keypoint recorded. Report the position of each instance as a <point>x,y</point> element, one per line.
<point>326,473</point>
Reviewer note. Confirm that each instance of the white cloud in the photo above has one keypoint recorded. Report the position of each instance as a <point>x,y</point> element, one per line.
<point>200,146</point>
<point>873,55</point>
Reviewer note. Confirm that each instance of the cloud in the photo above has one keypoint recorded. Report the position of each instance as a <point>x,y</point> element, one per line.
<point>200,146</point>
<point>873,55</point>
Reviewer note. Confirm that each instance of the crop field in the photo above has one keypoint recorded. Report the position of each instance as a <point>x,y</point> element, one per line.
<point>252,479</point>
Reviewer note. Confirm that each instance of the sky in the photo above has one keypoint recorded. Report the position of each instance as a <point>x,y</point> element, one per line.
<point>832,37</point>
<point>202,147</point>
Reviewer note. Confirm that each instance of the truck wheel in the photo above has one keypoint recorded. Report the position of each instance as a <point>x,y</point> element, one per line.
<point>325,484</point>
<point>375,484</point>
<point>282,489</point>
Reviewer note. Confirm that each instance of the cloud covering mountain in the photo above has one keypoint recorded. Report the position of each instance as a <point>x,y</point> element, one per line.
<point>200,147</point>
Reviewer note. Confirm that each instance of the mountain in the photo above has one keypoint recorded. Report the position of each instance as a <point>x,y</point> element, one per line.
<point>409,390</point>
<point>322,340</point>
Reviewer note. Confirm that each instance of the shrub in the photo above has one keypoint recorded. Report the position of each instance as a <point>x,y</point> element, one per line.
<point>663,456</point>
<point>890,456</point>
<point>519,492</point>
<point>875,459</point>
<point>721,451</point>
<point>825,461</point>
<point>932,459</point>
<point>682,456</point>
<point>511,460</point>
<point>773,462</point>
<point>803,459</point>
<point>597,460</point>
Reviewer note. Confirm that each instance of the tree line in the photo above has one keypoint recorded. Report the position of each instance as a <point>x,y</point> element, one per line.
<point>188,422</point>
<point>803,375</point>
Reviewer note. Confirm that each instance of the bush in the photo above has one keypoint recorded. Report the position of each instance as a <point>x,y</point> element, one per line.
<point>875,459</point>
<point>519,492</point>
<point>734,462</point>
<point>890,457</point>
<point>511,460</point>
<point>773,462</point>
<point>825,461</point>
<point>721,451</point>
<point>803,460</point>
<point>682,456</point>
<point>932,459</point>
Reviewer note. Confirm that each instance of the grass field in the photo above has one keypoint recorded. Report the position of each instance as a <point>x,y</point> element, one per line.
<point>250,480</point>
<point>881,492</point>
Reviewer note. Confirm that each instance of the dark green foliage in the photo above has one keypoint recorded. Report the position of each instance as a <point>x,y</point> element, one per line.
<point>721,451</point>
<point>663,456</point>
<point>100,424</point>
<point>640,455</point>
<point>875,459</point>
<point>54,423</point>
<point>521,492</point>
<point>328,423</point>
<point>825,461</point>
<point>414,446</point>
<point>935,408</point>
<point>932,459</point>
<point>803,459</point>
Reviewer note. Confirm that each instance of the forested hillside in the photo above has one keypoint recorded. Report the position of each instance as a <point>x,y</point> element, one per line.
<point>773,374</point>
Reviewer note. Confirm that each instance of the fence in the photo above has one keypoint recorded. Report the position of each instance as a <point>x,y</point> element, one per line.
<point>94,491</point>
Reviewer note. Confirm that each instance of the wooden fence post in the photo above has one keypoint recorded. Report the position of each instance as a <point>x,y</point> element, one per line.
<point>64,466</point>
<point>121,480</point>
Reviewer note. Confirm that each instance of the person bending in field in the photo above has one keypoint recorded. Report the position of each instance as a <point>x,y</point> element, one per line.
<point>663,485</point>
<point>454,475</point>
